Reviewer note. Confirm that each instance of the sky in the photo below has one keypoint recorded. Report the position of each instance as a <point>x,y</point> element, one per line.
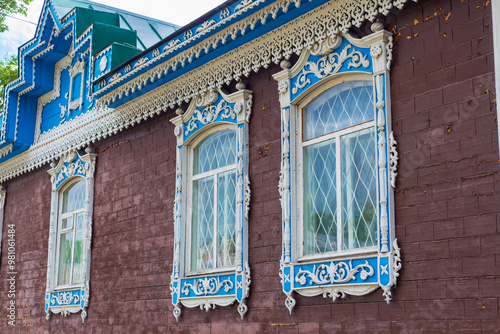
<point>22,29</point>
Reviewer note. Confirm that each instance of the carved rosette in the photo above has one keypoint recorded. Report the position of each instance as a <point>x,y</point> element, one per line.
<point>71,165</point>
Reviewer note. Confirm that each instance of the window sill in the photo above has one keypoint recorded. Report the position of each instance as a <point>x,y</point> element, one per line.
<point>208,272</point>
<point>67,287</point>
<point>343,255</point>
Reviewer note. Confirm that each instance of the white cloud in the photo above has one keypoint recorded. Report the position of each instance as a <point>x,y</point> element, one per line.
<point>173,11</point>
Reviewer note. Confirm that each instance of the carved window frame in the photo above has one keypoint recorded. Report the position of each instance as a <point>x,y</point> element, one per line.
<point>338,59</point>
<point>224,286</point>
<point>71,167</point>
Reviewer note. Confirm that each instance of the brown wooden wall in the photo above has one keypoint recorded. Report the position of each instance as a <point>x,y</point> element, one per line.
<point>447,207</point>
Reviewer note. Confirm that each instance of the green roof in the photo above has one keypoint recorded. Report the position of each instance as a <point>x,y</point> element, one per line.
<point>149,31</point>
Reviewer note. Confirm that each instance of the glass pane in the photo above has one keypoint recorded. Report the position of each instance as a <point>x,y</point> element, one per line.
<point>226,220</point>
<point>202,251</point>
<point>359,189</point>
<point>78,255</point>
<point>74,197</point>
<point>216,151</point>
<point>65,248</point>
<point>77,87</point>
<point>67,223</point>
<point>320,198</point>
<point>163,29</point>
<point>340,107</point>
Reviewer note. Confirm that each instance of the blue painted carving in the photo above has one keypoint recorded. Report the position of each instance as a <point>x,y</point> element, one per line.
<point>219,111</point>
<point>360,271</point>
<point>71,169</point>
<point>209,286</point>
<point>65,298</point>
<point>346,58</point>
<point>102,64</point>
<point>384,271</point>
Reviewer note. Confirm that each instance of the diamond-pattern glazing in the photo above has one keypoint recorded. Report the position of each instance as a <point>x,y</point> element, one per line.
<point>74,197</point>
<point>320,198</point>
<point>340,107</point>
<point>218,150</point>
<point>202,251</point>
<point>78,252</point>
<point>226,220</point>
<point>359,189</point>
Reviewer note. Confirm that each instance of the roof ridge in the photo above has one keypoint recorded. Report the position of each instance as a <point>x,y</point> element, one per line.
<point>111,8</point>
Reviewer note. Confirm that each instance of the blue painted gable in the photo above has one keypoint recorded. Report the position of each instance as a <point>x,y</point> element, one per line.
<point>36,78</point>
<point>56,68</point>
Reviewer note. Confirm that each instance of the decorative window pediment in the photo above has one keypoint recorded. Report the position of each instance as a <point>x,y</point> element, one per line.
<point>338,169</point>
<point>212,197</point>
<point>68,269</point>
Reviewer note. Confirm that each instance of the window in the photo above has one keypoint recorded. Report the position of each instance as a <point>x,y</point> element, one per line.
<point>70,235</point>
<point>212,198</point>
<point>68,273</point>
<point>77,84</point>
<point>339,162</point>
<point>338,169</point>
<point>213,242</point>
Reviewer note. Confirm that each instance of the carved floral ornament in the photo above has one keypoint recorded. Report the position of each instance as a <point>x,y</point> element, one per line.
<point>228,285</point>
<point>340,57</point>
<point>75,298</point>
<point>307,32</point>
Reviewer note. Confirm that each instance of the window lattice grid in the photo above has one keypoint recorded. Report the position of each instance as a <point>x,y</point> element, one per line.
<point>226,222</point>
<point>320,198</point>
<point>203,224</point>
<point>213,226</point>
<point>339,170</point>
<point>216,151</point>
<point>359,188</point>
<point>340,107</point>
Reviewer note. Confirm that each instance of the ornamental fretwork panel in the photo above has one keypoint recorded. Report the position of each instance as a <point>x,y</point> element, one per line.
<point>344,270</point>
